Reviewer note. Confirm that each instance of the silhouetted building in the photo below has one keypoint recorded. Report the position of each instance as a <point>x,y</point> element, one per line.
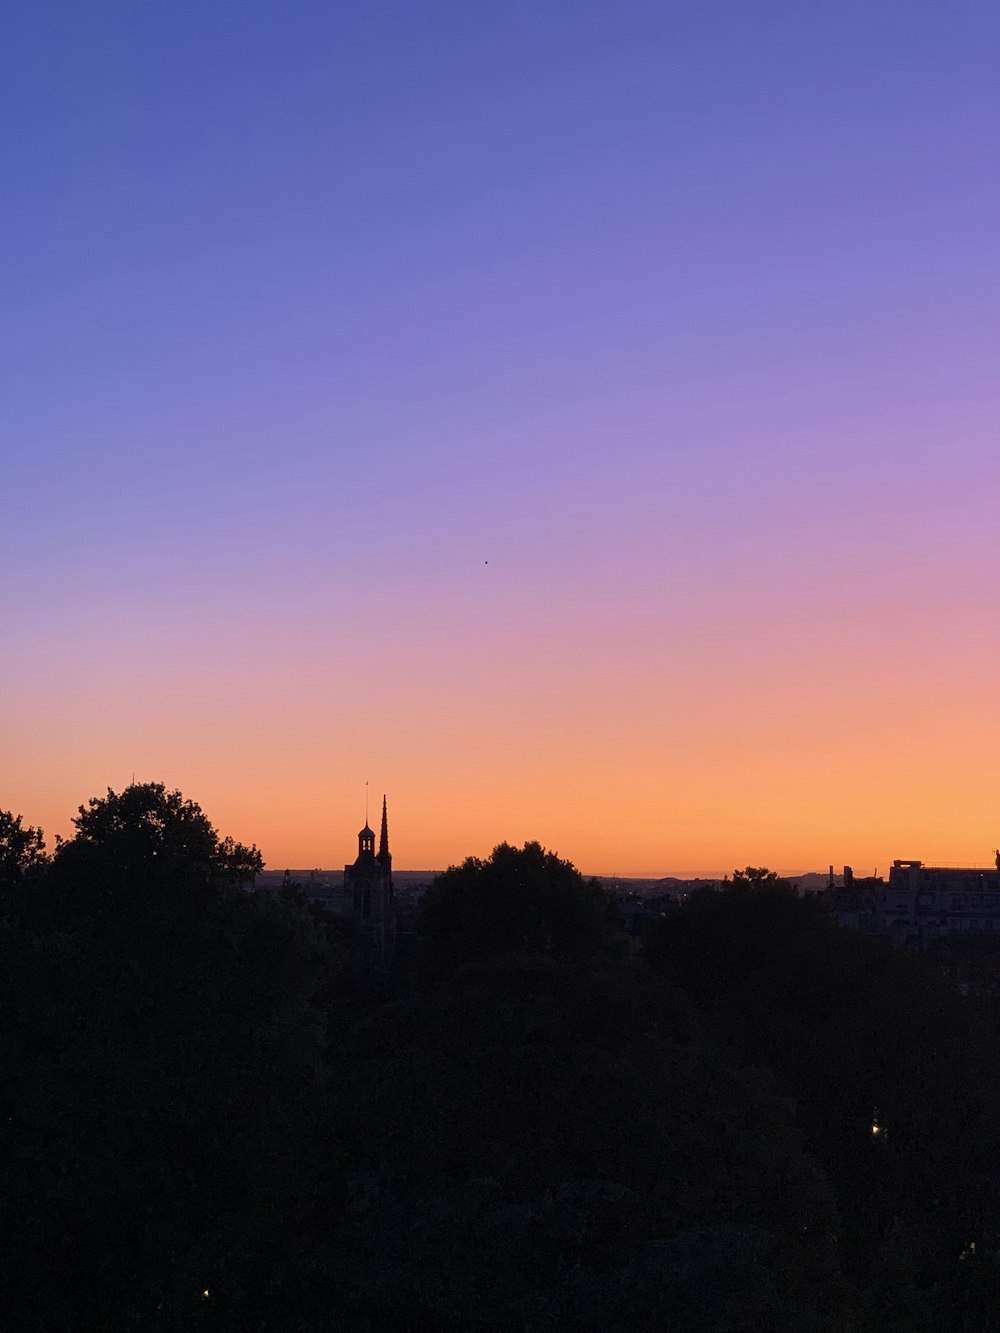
<point>920,904</point>
<point>368,887</point>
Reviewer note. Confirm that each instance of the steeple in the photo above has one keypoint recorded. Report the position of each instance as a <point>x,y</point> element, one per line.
<point>383,839</point>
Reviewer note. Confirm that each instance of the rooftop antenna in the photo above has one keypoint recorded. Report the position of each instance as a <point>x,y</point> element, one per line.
<point>366,802</point>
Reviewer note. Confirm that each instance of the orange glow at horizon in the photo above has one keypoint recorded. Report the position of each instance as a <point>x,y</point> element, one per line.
<point>753,743</point>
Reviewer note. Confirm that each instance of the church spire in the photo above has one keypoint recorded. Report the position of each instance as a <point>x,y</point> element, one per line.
<point>383,839</point>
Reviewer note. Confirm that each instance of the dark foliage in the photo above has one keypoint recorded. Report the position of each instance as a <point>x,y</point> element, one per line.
<point>221,1114</point>
<point>22,850</point>
<point>529,1141</point>
<point>164,1036</point>
<point>519,899</point>
<point>893,1073</point>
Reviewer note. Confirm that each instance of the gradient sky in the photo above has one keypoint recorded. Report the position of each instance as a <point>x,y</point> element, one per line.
<point>682,316</point>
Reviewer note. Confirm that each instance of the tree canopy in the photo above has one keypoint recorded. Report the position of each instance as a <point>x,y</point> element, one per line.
<point>221,1113</point>
<point>518,899</point>
<point>22,849</point>
<point>148,831</point>
<point>164,1038</point>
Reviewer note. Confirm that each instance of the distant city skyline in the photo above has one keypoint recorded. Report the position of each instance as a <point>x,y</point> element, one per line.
<point>333,867</point>
<point>579,420</point>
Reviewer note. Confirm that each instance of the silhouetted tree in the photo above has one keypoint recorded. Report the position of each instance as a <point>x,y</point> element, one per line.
<point>153,833</point>
<point>220,1113</point>
<point>892,1072</point>
<point>525,899</point>
<point>535,1143</point>
<point>757,878</point>
<point>164,1036</point>
<point>22,849</point>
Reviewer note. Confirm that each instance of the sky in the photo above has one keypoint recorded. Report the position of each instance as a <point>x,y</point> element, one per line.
<point>577,420</point>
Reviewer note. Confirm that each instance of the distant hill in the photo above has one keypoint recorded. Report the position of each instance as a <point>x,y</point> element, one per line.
<point>666,887</point>
<point>273,879</point>
<point>669,886</point>
<point>815,880</point>
<point>410,882</point>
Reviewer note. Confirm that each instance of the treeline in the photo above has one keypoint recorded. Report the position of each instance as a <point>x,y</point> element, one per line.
<point>221,1112</point>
